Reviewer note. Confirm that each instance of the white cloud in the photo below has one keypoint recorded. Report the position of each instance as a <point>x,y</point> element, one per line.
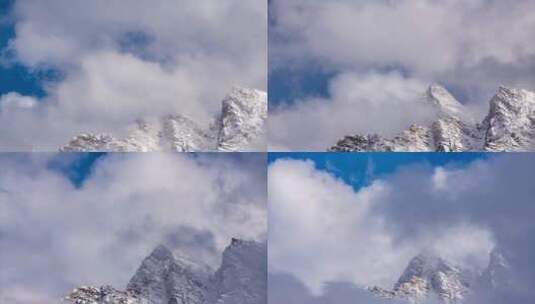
<point>59,236</point>
<point>16,102</point>
<point>322,230</point>
<point>440,179</point>
<point>122,61</point>
<point>427,37</point>
<point>371,103</point>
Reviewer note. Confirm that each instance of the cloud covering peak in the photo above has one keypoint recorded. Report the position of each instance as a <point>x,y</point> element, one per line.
<point>58,235</point>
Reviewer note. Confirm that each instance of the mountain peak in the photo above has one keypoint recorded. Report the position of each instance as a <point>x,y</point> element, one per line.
<point>243,261</point>
<point>442,99</point>
<point>241,242</point>
<point>428,275</point>
<point>235,242</point>
<point>161,252</point>
<point>424,266</point>
<point>239,91</point>
<point>503,89</point>
<point>437,90</point>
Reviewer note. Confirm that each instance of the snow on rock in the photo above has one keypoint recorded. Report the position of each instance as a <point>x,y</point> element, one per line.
<point>509,126</point>
<point>243,121</point>
<point>167,278</point>
<point>102,295</point>
<point>239,127</point>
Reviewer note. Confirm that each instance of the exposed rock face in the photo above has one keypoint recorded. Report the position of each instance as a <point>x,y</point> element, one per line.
<point>163,278</point>
<point>428,276</point>
<point>239,127</point>
<point>509,126</point>
<point>242,277</point>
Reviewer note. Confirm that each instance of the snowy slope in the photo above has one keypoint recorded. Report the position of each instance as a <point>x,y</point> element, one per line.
<point>164,278</point>
<point>509,126</point>
<point>239,127</point>
<point>102,295</point>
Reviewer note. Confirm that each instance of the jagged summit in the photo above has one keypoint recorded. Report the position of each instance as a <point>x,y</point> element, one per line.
<point>162,278</point>
<point>239,127</point>
<point>508,126</point>
<point>167,278</point>
<point>430,276</point>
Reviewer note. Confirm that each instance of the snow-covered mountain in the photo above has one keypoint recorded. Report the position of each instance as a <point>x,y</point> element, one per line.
<point>429,277</point>
<point>164,278</point>
<point>239,127</point>
<point>508,126</point>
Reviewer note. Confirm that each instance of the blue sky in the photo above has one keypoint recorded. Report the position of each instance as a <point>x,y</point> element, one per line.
<point>75,166</point>
<point>288,84</point>
<point>359,169</point>
<point>15,77</point>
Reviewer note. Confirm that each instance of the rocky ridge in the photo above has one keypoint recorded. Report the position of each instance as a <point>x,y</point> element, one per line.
<point>239,127</point>
<point>508,126</point>
<point>164,278</point>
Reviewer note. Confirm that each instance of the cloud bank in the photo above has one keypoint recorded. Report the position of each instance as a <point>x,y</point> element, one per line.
<point>377,103</point>
<point>471,46</point>
<point>323,231</point>
<point>58,236</point>
<point>119,63</point>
